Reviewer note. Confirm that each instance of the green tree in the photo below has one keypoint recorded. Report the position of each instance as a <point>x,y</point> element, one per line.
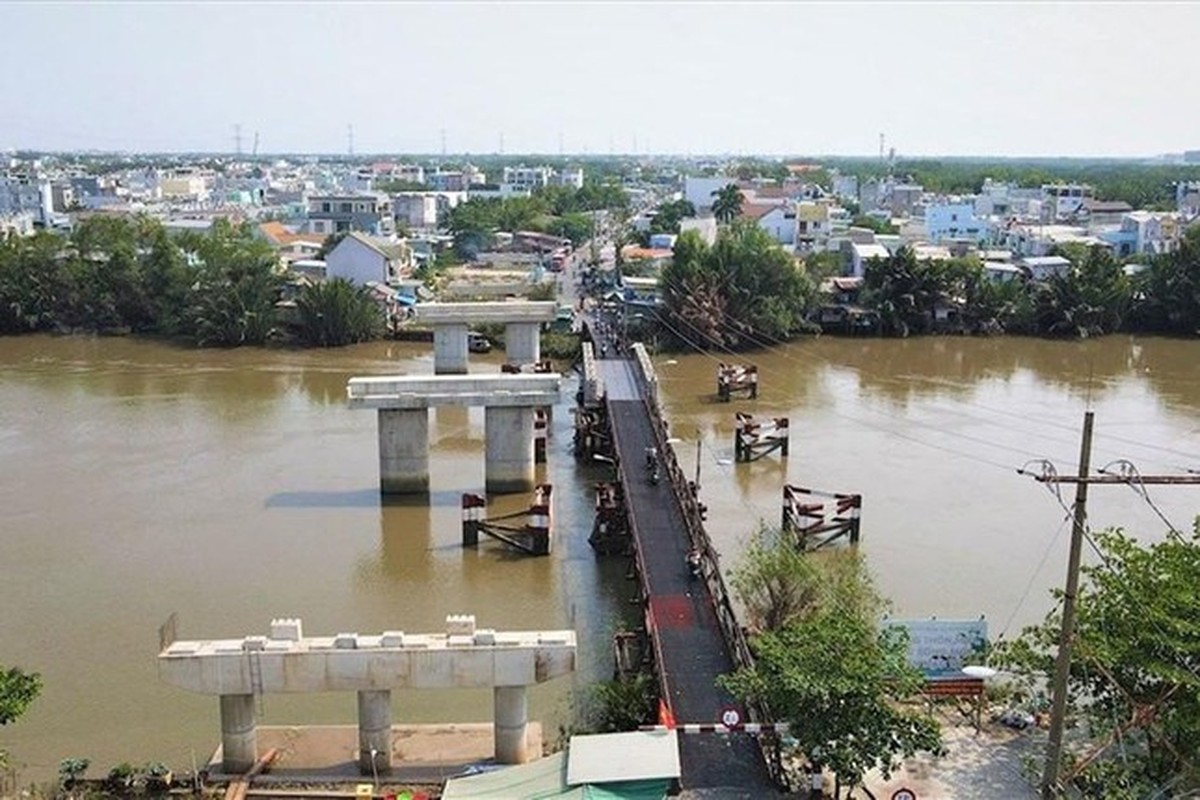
<point>18,690</point>
<point>667,216</point>
<point>233,300</point>
<point>1135,674</point>
<point>337,313</point>
<point>848,713</point>
<point>904,290</point>
<point>1168,294</point>
<point>727,203</point>
<point>743,292</point>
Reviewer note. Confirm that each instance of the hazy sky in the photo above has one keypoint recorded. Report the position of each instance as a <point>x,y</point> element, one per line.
<point>937,78</point>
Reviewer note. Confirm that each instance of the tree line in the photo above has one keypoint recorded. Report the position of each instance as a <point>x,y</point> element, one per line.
<point>221,288</point>
<point>556,210</point>
<point>745,292</point>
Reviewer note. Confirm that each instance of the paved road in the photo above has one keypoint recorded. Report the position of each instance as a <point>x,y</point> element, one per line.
<point>691,649</point>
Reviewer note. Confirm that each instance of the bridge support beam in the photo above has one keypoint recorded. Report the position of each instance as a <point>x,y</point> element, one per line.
<point>523,342</point>
<point>450,348</point>
<point>509,452</point>
<point>374,731</point>
<point>404,450</point>
<point>511,714</point>
<point>239,733</point>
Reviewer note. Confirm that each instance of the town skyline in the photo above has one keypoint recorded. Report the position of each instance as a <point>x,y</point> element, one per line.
<point>996,80</point>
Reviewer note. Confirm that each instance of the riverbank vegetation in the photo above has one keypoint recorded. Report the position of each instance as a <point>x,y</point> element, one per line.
<point>743,292</point>
<point>1134,685</point>
<point>848,714</point>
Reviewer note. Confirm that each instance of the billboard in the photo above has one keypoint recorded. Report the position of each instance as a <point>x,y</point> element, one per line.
<point>938,646</point>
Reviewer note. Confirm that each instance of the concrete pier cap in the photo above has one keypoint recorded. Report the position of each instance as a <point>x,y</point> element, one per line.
<point>464,656</point>
<point>482,313</point>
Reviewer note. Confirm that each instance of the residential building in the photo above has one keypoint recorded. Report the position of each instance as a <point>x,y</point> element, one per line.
<point>571,177</point>
<point>1187,198</point>
<point>1041,268</point>
<point>1103,212</point>
<point>813,226</point>
<point>1153,232</point>
<point>955,219</point>
<point>905,199</point>
<point>416,210</point>
<point>845,187</point>
<point>779,221</point>
<point>346,213</point>
<point>529,178</point>
<point>705,226</point>
<point>361,259</point>
<point>493,191</point>
<point>455,180</point>
<point>1001,271</point>
<point>184,184</point>
<point>27,194</point>
<point>1063,200</point>
<point>699,191</point>
<point>862,254</point>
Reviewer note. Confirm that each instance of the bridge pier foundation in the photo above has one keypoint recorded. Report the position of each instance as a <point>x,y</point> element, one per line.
<point>374,731</point>
<point>450,348</point>
<point>239,733</point>
<point>511,719</point>
<point>404,450</point>
<point>509,450</point>
<point>523,343</point>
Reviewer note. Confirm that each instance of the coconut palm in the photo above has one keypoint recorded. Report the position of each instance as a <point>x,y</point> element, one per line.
<point>727,202</point>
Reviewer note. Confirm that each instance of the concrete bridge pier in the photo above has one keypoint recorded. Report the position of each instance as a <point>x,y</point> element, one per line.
<point>404,450</point>
<point>374,731</point>
<point>450,348</point>
<point>239,733</point>
<point>511,719</point>
<point>509,449</point>
<point>523,343</point>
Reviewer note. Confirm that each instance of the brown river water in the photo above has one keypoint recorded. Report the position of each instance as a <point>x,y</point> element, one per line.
<point>139,479</point>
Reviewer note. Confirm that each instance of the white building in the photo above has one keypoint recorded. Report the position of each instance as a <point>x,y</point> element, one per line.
<point>699,191</point>
<point>1063,200</point>
<point>1042,268</point>
<point>705,226</point>
<point>360,259</point>
<point>571,177</point>
<point>955,220</point>
<point>528,178</point>
<point>862,254</point>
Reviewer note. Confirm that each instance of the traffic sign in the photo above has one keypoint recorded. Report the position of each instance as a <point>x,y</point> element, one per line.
<point>730,716</point>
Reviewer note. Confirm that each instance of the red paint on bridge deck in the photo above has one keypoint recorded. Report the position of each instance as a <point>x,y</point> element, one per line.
<point>672,611</point>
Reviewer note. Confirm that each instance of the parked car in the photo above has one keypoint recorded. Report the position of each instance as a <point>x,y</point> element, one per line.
<point>478,343</point>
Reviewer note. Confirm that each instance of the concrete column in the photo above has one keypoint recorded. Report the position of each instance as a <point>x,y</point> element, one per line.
<point>239,735</point>
<point>508,462</point>
<point>403,450</point>
<point>523,342</point>
<point>511,719</point>
<point>375,731</point>
<point>449,349</point>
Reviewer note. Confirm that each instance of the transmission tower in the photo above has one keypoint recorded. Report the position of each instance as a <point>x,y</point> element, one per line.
<point>350,139</point>
<point>237,138</point>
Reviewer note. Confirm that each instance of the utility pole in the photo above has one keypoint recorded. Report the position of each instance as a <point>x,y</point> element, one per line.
<point>1062,664</point>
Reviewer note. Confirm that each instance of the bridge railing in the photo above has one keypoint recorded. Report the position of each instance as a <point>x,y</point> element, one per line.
<point>731,629</point>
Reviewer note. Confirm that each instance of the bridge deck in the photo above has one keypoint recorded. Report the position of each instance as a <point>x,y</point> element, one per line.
<point>688,642</point>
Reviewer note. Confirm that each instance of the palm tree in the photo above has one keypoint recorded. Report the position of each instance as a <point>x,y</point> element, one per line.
<point>727,203</point>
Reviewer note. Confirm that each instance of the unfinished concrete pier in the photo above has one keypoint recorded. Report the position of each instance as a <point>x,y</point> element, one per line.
<point>403,403</point>
<point>239,670</point>
<point>522,330</point>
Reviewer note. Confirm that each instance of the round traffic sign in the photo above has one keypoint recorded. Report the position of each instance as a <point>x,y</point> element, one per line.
<point>904,794</point>
<point>730,716</point>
